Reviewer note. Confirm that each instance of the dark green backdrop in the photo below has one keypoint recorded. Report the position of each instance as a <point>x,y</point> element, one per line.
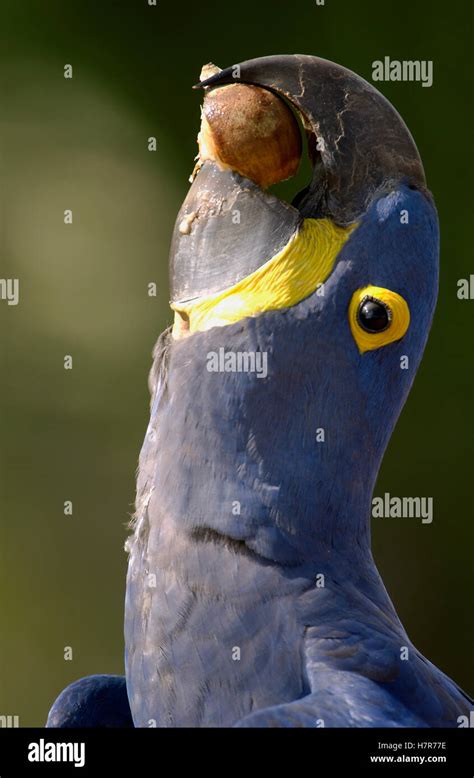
<point>82,144</point>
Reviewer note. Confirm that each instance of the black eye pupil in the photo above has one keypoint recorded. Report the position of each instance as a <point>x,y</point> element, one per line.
<point>374,316</point>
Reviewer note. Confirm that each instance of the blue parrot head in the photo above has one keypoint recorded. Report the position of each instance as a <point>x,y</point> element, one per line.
<point>284,415</point>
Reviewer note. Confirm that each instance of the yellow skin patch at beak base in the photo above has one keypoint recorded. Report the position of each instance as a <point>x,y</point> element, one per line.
<point>287,278</point>
<point>368,341</point>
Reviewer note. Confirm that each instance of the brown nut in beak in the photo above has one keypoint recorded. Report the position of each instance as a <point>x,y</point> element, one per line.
<point>251,131</point>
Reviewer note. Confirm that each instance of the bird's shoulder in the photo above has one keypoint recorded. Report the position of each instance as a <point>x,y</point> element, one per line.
<point>364,675</point>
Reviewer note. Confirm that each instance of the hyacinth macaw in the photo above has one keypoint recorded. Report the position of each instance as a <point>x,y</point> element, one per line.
<point>253,599</point>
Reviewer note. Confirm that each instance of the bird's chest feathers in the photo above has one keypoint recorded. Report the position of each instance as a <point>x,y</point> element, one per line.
<point>216,637</point>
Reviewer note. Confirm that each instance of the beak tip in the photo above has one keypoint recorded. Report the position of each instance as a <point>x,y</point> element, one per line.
<point>210,74</point>
<point>208,81</point>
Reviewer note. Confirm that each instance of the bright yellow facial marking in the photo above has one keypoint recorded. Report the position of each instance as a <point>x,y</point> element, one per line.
<point>287,278</point>
<point>400,312</point>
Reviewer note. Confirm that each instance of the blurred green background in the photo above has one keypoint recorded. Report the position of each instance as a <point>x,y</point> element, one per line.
<point>75,435</point>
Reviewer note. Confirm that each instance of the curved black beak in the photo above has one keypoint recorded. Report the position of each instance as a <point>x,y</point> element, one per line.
<point>358,143</point>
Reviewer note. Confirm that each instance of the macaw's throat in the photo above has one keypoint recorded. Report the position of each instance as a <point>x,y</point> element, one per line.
<point>239,455</point>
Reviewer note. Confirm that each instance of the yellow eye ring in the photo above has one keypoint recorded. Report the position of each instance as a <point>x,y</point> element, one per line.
<point>388,312</point>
